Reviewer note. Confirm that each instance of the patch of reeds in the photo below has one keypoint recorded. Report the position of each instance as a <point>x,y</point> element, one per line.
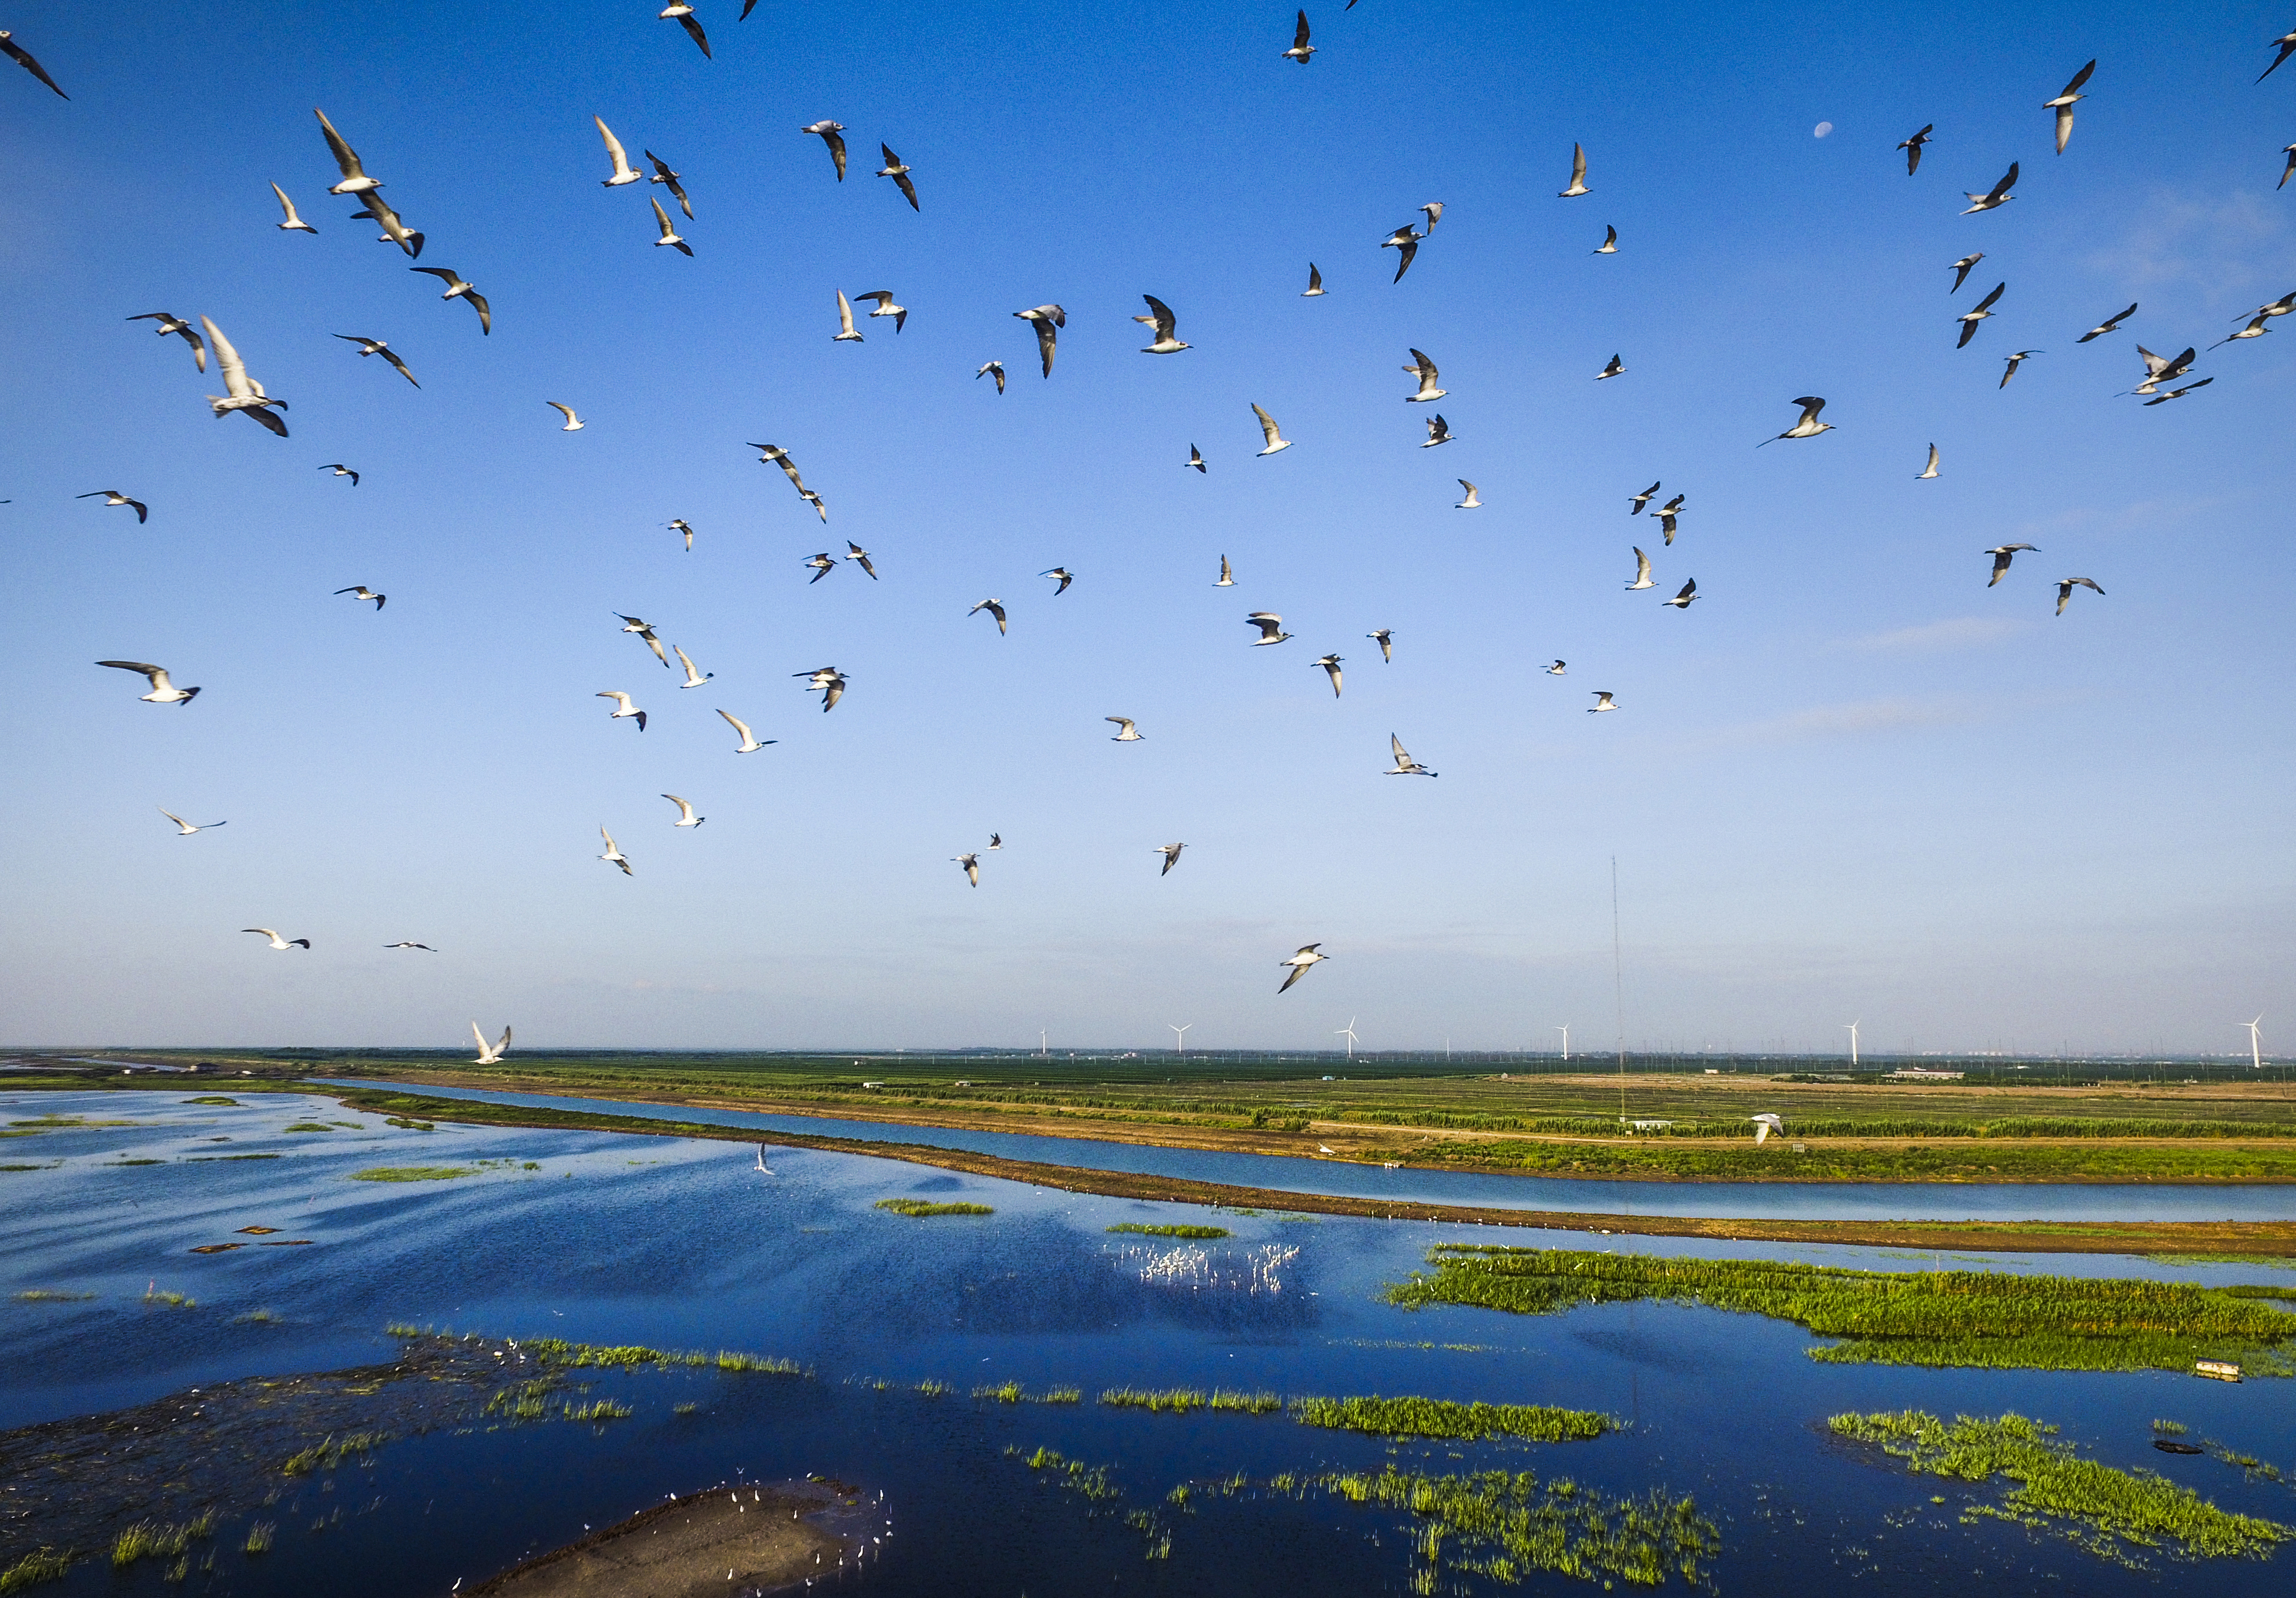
<point>920,1209</point>
<point>49,1295</point>
<point>1170,1400</point>
<point>764,1363</point>
<point>329,1452</point>
<point>2256,1469</point>
<point>683,1409</point>
<point>1089,1482</point>
<point>413,1173</point>
<point>215,1098</point>
<point>170,1297</point>
<point>1012,1392</point>
<point>406,1125</point>
<point>260,1317</point>
<point>934,1389</point>
<point>2057,1488</point>
<point>1147,1231</point>
<point>523,1400</point>
<point>1984,1319</point>
<point>599,1409</point>
<point>307,1126</point>
<point>156,1539</point>
<point>1441,1418</point>
<point>259,1535</point>
<point>2170,1428</point>
<point>42,1564</point>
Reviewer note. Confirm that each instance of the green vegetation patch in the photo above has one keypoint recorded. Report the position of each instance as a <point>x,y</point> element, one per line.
<point>1012,1392</point>
<point>328,1453</point>
<point>1089,1482</point>
<point>764,1363</point>
<point>217,1098</point>
<point>169,1296</point>
<point>1988,1319</point>
<point>259,1535</point>
<point>307,1126</point>
<point>154,1539</point>
<point>921,1207</point>
<point>1146,1231</point>
<point>1441,1418</point>
<point>49,1295</point>
<point>42,1564</point>
<point>600,1409</point>
<point>413,1173</point>
<point>2106,1511</point>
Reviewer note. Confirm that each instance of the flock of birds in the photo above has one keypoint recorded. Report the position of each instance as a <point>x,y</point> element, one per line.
<point>247,397</point>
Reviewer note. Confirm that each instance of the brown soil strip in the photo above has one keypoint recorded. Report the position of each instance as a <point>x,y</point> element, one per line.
<point>727,1542</point>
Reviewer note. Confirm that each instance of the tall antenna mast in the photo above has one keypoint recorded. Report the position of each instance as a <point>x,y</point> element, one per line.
<point>1619,985</point>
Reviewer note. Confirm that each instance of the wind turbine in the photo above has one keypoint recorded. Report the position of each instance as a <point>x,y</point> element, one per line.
<point>1179,1037</point>
<point>2255,1045</point>
<point>1566,1043</point>
<point>1348,1031</point>
<point>1853,1043</point>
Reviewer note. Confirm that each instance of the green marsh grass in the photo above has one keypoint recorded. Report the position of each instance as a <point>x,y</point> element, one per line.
<point>1984,1319</point>
<point>1249,1404</point>
<point>170,1297</point>
<point>1089,1482</point>
<point>307,1126</point>
<point>1147,1231</point>
<point>2113,1510</point>
<point>154,1539</point>
<point>765,1365</point>
<point>1012,1392</point>
<point>260,1317</point>
<point>413,1173</point>
<point>919,1209</point>
<point>259,1535</point>
<point>215,1098</point>
<point>48,1295</point>
<point>683,1409</point>
<point>1440,1418</point>
<point>599,1409</point>
<point>934,1389</point>
<point>42,1564</point>
<point>1173,1400</point>
<point>329,1452</point>
<point>523,1400</point>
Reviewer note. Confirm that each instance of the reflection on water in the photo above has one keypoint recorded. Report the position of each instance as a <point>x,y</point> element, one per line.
<point>679,1244</point>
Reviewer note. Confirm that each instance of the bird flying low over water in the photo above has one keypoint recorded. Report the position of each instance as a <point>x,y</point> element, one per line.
<point>1968,319</point>
<point>1226,576</point>
<point>1439,432</point>
<point>1610,244</point>
<point>368,346</point>
<point>1270,625</point>
<point>995,607</point>
<point>2015,361</point>
<point>623,172</point>
<point>278,942</point>
<point>1996,196</point>
<point>458,289</point>
<point>693,678</point>
<point>1473,502</point>
<point>684,13</point>
<point>1046,320</point>
<point>972,863</point>
<point>1171,853</point>
<point>1642,571</point>
<point>622,707</point>
<point>828,681</point>
<point>749,744</point>
<point>1961,270</point>
<point>686,815</point>
<point>1160,318</point>
<point>362,592</point>
<point>1385,639</point>
<point>886,307</point>
<point>574,424</point>
<point>1268,429</point>
<point>355,178</point>
<point>663,176</point>
<point>995,369</point>
<point>294,224</point>
<point>2107,325</point>
<point>899,174</point>
<point>1578,174</point>
<point>1315,283</point>
<point>1406,241</point>
<point>1126,732</point>
<point>1931,468</point>
<point>113,496</point>
<point>1808,426</point>
<point>2065,587</point>
<point>170,323</point>
<point>1301,51</point>
<point>242,392</point>
<point>2064,105</point>
<point>1601,702</point>
<point>1404,765</point>
<point>1065,576</point>
<point>23,58</point>
<point>185,829</point>
<point>1681,599</point>
<point>163,691</point>
<point>1300,962</point>
<point>2003,554</point>
<point>829,131</point>
<point>612,856</point>
<point>1331,664</point>
<point>1912,146</point>
<point>668,234</point>
<point>860,557</point>
<point>1424,369</point>
<point>492,1053</point>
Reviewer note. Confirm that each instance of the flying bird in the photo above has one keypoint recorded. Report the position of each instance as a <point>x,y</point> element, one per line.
<point>663,176</point>
<point>1578,174</point>
<point>2258,326</point>
<point>170,323</point>
<point>623,172</point>
<point>1385,639</point>
<point>1276,440</point>
<point>686,20</point>
<point>822,563</point>
<point>113,496</point>
<point>574,424</point>
<point>1270,625</point>
<point>1912,146</point>
<point>340,469</point>
<point>1424,369</point>
<point>2003,554</point>
<point>749,744</point>
<point>622,707</point>
<point>2179,393</point>
<point>2286,41</point>
<point>1171,853</point>
<point>355,178</point>
<point>1404,765</point>
<point>1046,319</point>
<point>886,307</point>
<point>995,369</point>
<point>612,856</point>
<point>1065,576</point>
<point>1642,571</point>
<point>1196,456</point>
<point>278,942</point>
<point>185,829</point>
<point>899,174</point>
<point>2065,587</point>
<point>409,944</point>
<point>1764,1124</point>
<point>644,630</point>
<point>1558,669</point>
<point>1961,268</point>
<point>1968,319</point>
<point>1931,468</point>
<point>686,815</point>
<point>1601,702</point>
<point>1301,50</point>
<point>1226,576</point>
<point>996,840</point>
<point>828,681</point>
<point>362,592</point>
<point>376,209</point>
<point>1300,962</point>
<point>1160,317</point>
<point>1996,196</point>
<point>846,333</point>
<point>368,346</point>
<point>1126,732</point>
<point>1808,426</point>
<point>1635,505</point>
<point>2107,325</point>
<point>829,131</point>
<point>23,58</point>
<point>458,289</point>
<point>995,607</point>
<point>163,691</point>
<point>1473,502</point>
<point>668,234</point>
<point>693,679</point>
<point>294,224</point>
<point>1610,244</point>
<point>1331,665</point>
<point>1682,599</point>
<point>1439,432</point>
<point>1315,283</point>
<point>2064,105</point>
<point>860,557</point>
<point>1665,521</point>
<point>2158,370</point>
<point>2015,361</point>
<point>492,1053</point>
<point>1406,241</point>
<point>242,392</point>
<point>681,525</point>
<point>2289,170</point>
<point>1617,368</point>
<point>1434,213</point>
<point>972,863</point>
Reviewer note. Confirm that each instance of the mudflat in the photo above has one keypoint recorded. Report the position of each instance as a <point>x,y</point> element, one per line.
<point>727,1542</point>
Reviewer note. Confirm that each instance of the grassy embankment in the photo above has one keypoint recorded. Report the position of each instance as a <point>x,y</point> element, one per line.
<point>1990,1319</point>
<point>921,1209</point>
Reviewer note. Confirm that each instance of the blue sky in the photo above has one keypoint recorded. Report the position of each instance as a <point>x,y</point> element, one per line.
<point>1850,783</point>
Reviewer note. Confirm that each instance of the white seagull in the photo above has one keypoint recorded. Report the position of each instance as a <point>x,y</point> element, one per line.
<point>1642,571</point>
<point>278,942</point>
<point>622,707</point>
<point>244,393</point>
<point>663,176</point>
<point>1961,270</point>
<point>683,15</point>
<point>995,369</point>
<point>2064,105</point>
<point>489,1054</point>
<point>1617,368</point>
<point>294,224</point>
<point>113,496</point>
<point>185,829</point>
<point>898,172</point>
<point>1404,765</point>
<point>456,289</point>
<point>613,855</point>
<point>1681,599</point>
<point>1601,702</point>
<point>1196,456</point>
<point>1385,639</point>
<point>2065,587</point>
<point>1764,1124</point>
<point>829,131</point>
<point>1171,853</point>
<point>355,178</point>
<point>1471,502</point>
<point>995,607</point>
<point>1404,242</point>
<point>1578,174</point>
<point>748,745</point>
<point>1424,369</point>
<point>646,636</point>
<point>1270,625</point>
<point>2015,361</point>
<point>1610,244</point>
<point>1931,468</point>
<point>340,469</point>
<point>163,691</point>
<point>1808,426</point>
<point>886,307</point>
<point>681,525</point>
<point>668,234</point>
<point>693,679</point>
<point>1301,51</point>
<point>1226,576</point>
<point>362,592</point>
<point>170,323</point>
<point>1046,320</point>
<point>1331,664</point>
<point>847,334</point>
<point>1126,732</point>
<point>1160,317</point>
<point>1439,432</point>
<point>368,346</point>
<point>972,863</point>
<point>1558,670</point>
<point>1300,962</point>
<point>1995,197</point>
<point>1276,440</point>
<point>408,943</point>
<point>686,815</point>
<point>623,171</point>
<point>2108,325</point>
<point>574,424</point>
<point>2003,554</point>
<point>860,557</point>
<point>1315,283</point>
<point>1970,318</point>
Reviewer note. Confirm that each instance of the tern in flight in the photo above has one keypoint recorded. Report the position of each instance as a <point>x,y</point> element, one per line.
<point>1406,241</point>
<point>623,171</point>
<point>1300,962</point>
<point>1642,571</point>
<point>663,176</point>
<point>456,289</point>
<point>1275,439</point>
<point>750,745</point>
<point>1473,502</point>
<point>886,307</point>
<point>995,369</point>
<point>1968,319</point>
<point>1126,732</point>
<point>1666,514</point>
<point>2159,369</point>
<point>355,178</point>
<point>2108,325</point>
<point>408,943</point>
<point>1065,576</point>
<point>1809,426</point>
<point>1439,432</point>
<point>1601,702</point>
<point>828,681</point>
<point>1996,196</point>
<point>1196,456</point>
<point>574,424</point>
<point>1578,174</point>
<point>362,592</point>
<point>1610,244</point>
<point>1160,317</point>
<point>1226,576</point>
<point>686,20</point>
<point>995,607</point>
<point>1617,368</point>
<point>1171,853</point>
<point>822,562</point>
<point>899,174</point>
<point>2286,41</point>
<point>1434,211</point>
<point>1315,283</point>
<point>972,863</point>
<point>278,942</point>
<point>113,496</point>
<point>1961,270</point>
<point>163,691</point>
<point>612,856</point>
<point>622,707</point>
<point>996,840</point>
<point>829,131</point>
<point>1682,599</point>
<point>693,679</point>
<point>1912,146</point>
<point>1424,369</point>
<point>682,526</point>
<point>2258,326</point>
<point>1635,505</point>
<point>1385,639</point>
<point>170,323</point>
<point>2015,361</point>
<point>340,469</point>
<point>1301,51</point>
<point>2065,587</point>
<point>1764,1124</point>
<point>2179,393</point>
<point>376,209</point>
<point>686,815</point>
<point>1404,765</point>
<point>1931,468</point>
<point>368,346</point>
<point>846,333</point>
<point>2003,554</point>
<point>2064,105</point>
<point>185,829</point>
<point>668,234</point>
<point>294,224</point>
<point>860,557</point>
<point>1558,669</point>
<point>1047,320</point>
<point>1270,625</point>
<point>242,392</point>
<point>1331,664</point>
<point>644,630</point>
<point>23,58</point>
<point>492,1053</point>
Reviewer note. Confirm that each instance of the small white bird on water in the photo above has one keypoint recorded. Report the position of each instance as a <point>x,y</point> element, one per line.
<point>1300,962</point>
<point>1268,429</point>
<point>1126,732</point>
<point>693,679</point>
<point>748,745</point>
<point>623,707</point>
<point>489,1054</point>
<point>185,829</point>
<point>1404,765</point>
<point>613,855</point>
<point>294,224</point>
<point>163,691</point>
<point>1160,318</point>
<point>278,942</point>
<point>1471,502</point>
<point>686,815</point>
<point>623,171</point>
<point>1424,369</point>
